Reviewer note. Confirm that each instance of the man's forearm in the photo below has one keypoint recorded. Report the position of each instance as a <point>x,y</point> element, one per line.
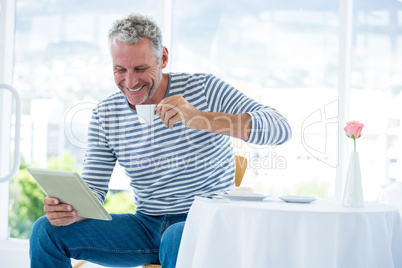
<point>234,125</point>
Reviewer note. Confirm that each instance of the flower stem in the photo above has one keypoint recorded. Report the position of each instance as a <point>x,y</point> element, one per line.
<point>354,141</point>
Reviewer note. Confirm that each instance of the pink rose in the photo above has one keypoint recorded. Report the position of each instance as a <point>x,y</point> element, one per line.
<point>353,129</point>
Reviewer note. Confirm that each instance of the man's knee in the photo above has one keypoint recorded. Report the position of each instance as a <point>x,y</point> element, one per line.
<point>170,244</point>
<point>40,225</point>
<point>173,233</point>
<point>41,236</point>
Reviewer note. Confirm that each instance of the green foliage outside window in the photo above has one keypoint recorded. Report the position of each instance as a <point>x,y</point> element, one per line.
<point>25,203</point>
<point>119,202</point>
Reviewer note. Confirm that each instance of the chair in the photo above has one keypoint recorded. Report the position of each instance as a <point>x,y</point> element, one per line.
<point>241,166</point>
<point>79,264</point>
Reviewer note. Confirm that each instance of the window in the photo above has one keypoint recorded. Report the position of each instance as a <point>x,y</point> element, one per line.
<point>376,86</point>
<point>285,56</point>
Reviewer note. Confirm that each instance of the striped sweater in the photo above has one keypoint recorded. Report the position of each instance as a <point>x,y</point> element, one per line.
<point>168,167</point>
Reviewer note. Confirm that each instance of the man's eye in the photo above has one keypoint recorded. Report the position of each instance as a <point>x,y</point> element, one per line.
<point>140,70</point>
<point>120,70</point>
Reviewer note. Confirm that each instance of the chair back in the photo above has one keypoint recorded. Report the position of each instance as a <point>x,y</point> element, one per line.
<point>241,166</point>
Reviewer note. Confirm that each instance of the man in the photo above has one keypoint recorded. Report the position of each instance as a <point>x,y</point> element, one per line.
<point>186,151</point>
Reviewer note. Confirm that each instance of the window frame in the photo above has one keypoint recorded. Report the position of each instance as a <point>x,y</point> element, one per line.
<point>7,27</point>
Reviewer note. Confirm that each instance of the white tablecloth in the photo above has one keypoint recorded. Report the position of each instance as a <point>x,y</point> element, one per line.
<point>276,234</point>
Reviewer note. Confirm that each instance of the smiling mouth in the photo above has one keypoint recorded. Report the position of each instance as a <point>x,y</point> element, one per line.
<point>135,89</point>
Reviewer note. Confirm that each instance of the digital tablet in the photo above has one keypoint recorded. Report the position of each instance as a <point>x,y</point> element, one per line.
<point>69,188</point>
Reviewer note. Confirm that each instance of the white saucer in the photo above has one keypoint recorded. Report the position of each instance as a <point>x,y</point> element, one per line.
<point>298,198</point>
<point>252,197</point>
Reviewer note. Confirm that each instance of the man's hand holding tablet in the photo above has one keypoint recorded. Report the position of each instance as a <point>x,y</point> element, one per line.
<point>60,214</point>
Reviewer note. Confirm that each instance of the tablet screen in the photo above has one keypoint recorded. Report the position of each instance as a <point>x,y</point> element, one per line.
<point>69,188</point>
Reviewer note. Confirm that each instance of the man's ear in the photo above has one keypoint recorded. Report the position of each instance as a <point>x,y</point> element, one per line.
<point>165,58</point>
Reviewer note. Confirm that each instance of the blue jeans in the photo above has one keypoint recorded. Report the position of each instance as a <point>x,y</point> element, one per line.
<point>129,240</point>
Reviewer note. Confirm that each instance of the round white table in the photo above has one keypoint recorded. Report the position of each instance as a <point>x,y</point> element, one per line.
<point>273,233</point>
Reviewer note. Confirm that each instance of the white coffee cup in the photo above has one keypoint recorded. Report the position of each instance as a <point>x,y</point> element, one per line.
<point>146,113</point>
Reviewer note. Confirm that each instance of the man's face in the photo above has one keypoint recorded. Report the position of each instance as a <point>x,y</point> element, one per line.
<point>136,71</point>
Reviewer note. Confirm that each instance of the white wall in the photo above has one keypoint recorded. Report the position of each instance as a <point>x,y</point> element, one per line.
<point>14,253</point>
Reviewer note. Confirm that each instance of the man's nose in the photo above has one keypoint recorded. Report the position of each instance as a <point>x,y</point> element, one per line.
<point>131,80</point>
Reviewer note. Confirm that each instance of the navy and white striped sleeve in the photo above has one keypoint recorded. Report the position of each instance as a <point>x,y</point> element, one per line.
<point>99,159</point>
<point>268,125</point>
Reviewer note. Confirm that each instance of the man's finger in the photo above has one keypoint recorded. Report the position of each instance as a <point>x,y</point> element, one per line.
<point>61,215</point>
<point>164,112</point>
<point>53,208</point>
<point>50,201</point>
<point>63,221</point>
<point>173,120</point>
<point>168,102</point>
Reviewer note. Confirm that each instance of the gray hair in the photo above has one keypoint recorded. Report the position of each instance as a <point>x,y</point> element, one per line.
<point>135,28</point>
